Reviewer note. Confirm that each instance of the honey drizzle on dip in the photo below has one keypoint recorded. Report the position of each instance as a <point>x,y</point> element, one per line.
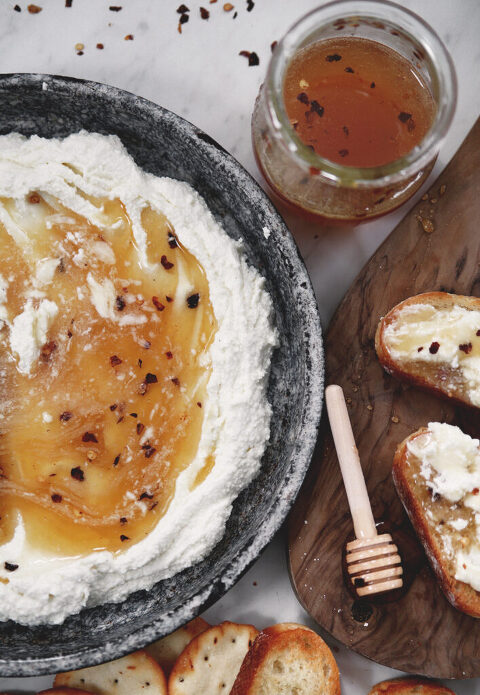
<point>93,439</point>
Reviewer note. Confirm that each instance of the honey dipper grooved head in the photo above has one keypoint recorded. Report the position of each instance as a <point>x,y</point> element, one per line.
<point>374,565</point>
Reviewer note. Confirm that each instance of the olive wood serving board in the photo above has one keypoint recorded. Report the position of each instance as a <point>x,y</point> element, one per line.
<point>419,631</point>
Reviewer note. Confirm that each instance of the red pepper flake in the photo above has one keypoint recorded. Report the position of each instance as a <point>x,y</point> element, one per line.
<point>149,451</point>
<point>475,491</point>
<point>176,381</point>
<point>140,362</point>
<point>199,404</point>
<point>343,153</point>
<point>169,355</point>
<point>66,416</point>
<point>116,461</point>
<point>113,407</point>
<point>334,58</point>
<point>253,58</point>
<point>433,349</point>
<point>235,15</point>
<point>465,347</point>
<point>133,414</point>
<point>100,46</point>
<point>151,378</point>
<point>192,301</point>
<point>158,304</point>
<point>228,7</point>
<point>89,437</point>
<point>115,361</point>
<point>419,349</point>
<point>34,9</point>
<point>56,498</point>
<point>372,85</point>
<point>273,45</point>
<point>351,70</point>
<point>17,8</point>
<point>204,14</point>
<point>77,473</point>
<point>115,8</point>
<point>303,98</point>
<point>68,3</point>
<point>146,496</point>
<point>169,299</point>
<point>69,334</point>
<point>140,427</point>
<point>47,350</point>
<point>478,332</point>
<point>10,566</point>
<point>182,9</point>
<point>403,116</point>
<point>152,506</point>
<point>120,419</point>
<point>128,37</point>
<point>314,171</point>
<point>345,130</point>
<point>172,240</point>
<point>34,198</point>
<point>250,5</point>
<point>124,538</point>
<point>166,263</point>
<point>123,519</point>
<point>183,19</point>
<point>315,107</point>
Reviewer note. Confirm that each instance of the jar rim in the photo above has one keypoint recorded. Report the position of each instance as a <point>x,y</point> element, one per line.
<point>412,27</point>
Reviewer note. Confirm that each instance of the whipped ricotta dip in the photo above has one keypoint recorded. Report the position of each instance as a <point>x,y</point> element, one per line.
<point>45,588</point>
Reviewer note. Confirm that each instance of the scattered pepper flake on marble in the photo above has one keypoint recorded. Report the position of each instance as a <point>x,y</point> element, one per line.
<point>204,13</point>
<point>68,3</point>
<point>182,9</point>
<point>10,566</point>
<point>253,58</point>
<point>273,45</point>
<point>250,5</point>
<point>17,8</point>
<point>129,37</point>
<point>115,8</point>
<point>228,7</point>
<point>100,46</point>
<point>34,9</point>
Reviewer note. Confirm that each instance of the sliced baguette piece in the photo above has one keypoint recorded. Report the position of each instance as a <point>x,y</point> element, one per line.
<point>432,340</point>
<point>167,650</point>
<point>288,658</point>
<point>446,528</point>
<point>135,673</point>
<point>210,663</point>
<point>65,691</point>
<point>410,686</point>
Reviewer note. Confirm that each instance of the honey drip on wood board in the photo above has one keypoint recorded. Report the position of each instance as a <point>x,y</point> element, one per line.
<point>93,440</point>
<point>356,102</point>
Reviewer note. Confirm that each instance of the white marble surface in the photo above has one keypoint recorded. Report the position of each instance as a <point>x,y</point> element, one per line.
<point>200,76</point>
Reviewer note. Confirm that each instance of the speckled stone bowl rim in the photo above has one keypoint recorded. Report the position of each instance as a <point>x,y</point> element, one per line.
<point>312,407</point>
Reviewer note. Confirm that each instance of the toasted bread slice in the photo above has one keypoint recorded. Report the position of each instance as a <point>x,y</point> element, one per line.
<point>210,663</point>
<point>288,658</point>
<point>432,340</point>
<point>135,673</point>
<point>64,691</point>
<point>436,471</point>
<point>167,650</point>
<point>410,686</point>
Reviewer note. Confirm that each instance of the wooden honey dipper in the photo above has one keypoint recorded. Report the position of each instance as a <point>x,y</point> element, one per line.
<point>373,562</point>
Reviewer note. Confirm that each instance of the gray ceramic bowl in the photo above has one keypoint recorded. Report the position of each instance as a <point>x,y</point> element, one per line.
<point>164,144</point>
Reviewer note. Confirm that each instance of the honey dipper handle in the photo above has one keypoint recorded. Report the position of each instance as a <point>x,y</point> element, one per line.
<point>349,460</point>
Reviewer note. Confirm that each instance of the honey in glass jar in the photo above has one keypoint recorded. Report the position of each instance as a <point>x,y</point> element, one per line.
<point>356,102</point>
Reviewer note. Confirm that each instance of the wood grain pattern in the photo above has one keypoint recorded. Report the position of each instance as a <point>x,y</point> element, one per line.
<point>419,632</point>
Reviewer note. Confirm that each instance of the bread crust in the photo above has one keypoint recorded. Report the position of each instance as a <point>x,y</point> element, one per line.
<point>440,300</point>
<point>410,686</point>
<point>282,638</point>
<point>461,595</point>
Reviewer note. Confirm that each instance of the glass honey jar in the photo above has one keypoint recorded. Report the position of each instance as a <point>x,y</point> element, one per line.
<point>357,100</point>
